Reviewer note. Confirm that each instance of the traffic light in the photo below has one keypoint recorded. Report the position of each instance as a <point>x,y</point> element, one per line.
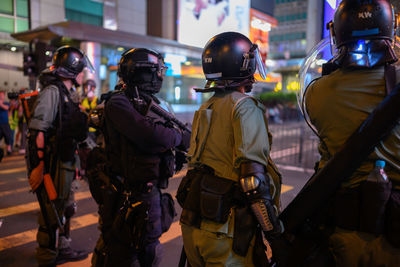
<point>36,60</point>
<point>29,65</point>
<point>43,55</point>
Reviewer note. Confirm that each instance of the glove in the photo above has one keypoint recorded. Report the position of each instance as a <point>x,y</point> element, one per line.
<point>185,143</point>
<point>36,176</point>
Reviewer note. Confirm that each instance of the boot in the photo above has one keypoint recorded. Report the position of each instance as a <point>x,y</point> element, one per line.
<point>69,254</point>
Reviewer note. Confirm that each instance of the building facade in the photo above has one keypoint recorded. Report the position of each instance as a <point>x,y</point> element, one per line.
<point>299,29</point>
<point>106,28</point>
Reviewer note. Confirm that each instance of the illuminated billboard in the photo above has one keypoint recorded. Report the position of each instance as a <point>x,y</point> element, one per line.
<point>329,10</point>
<point>200,20</point>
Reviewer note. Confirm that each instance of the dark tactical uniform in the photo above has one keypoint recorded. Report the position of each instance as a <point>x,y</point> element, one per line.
<point>231,176</point>
<point>139,148</point>
<point>59,118</point>
<point>337,104</point>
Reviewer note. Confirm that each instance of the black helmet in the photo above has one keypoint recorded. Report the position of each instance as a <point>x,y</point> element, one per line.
<point>363,19</point>
<point>227,57</point>
<point>143,68</point>
<point>89,83</point>
<point>69,61</point>
<point>229,60</point>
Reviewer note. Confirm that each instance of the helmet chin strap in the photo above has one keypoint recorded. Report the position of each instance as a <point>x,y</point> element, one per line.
<point>224,85</point>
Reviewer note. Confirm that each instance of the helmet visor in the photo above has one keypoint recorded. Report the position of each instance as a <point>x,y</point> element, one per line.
<point>310,70</point>
<point>261,69</point>
<point>88,64</point>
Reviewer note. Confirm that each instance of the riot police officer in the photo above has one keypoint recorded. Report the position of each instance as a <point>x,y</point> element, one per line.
<point>139,146</point>
<point>231,176</point>
<point>353,84</point>
<point>55,128</point>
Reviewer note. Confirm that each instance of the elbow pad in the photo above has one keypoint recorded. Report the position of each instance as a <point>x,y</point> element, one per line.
<point>256,188</point>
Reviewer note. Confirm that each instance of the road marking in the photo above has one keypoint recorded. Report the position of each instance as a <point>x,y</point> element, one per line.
<point>173,232</point>
<point>5,165</point>
<point>286,188</point>
<point>179,174</point>
<point>31,206</point>
<point>85,262</point>
<point>14,180</point>
<point>13,158</point>
<point>15,191</point>
<point>30,235</point>
<point>14,170</point>
<point>294,168</point>
<point>91,219</point>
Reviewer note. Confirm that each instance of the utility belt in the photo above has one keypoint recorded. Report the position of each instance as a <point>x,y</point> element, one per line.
<point>372,208</point>
<point>123,213</point>
<point>203,195</point>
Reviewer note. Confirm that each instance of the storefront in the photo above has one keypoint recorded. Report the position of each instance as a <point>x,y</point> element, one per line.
<point>104,48</point>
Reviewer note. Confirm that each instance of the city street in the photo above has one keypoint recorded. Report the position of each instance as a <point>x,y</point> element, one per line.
<point>19,208</point>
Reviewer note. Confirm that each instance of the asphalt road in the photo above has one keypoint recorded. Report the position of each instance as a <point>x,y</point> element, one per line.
<point>19,209</point>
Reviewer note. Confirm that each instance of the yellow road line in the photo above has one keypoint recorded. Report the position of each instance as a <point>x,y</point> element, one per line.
<point>13,180</point>
<point>286,188</point>
<point>173,232</point>
<point>85,262</point>
<point>15,191</point>
<point>30,235</point>
<point>31,206</point>
<point>13,170</point>
<point>13,158</point>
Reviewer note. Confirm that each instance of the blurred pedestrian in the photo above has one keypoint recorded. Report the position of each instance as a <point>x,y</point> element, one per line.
<point>22,128</point>
<point>13,120</point>
<point>88,86</point>
<point>5,131</point>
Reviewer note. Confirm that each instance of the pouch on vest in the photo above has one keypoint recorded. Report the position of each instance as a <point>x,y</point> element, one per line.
<point>188,196</point>
<point>141,169</point>
<point>167,168</point>
<point>185,184</point>
<point>216,198</point>
<point>168,211</point>
<point>392,227</point>
<point>94,171</point>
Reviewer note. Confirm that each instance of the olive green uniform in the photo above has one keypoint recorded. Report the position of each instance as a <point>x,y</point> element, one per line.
<point>230,128</point>
<point>44,115</point>
<point>337,105</point>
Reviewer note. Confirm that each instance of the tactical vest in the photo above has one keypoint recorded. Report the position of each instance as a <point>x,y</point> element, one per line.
<point>70,125</point>
<point>136,166</point>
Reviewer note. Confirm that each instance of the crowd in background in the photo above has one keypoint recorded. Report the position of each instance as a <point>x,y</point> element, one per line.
<point>12,125</point>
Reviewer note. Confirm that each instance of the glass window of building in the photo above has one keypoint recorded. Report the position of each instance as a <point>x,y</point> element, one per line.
<point>85,11</point>
<point>14,16</point>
